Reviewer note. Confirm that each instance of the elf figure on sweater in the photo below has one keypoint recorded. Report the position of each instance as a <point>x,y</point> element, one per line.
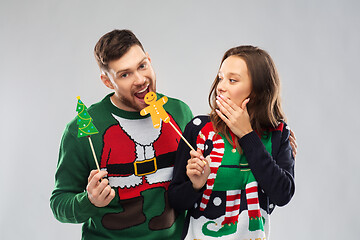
<point>225,162</point>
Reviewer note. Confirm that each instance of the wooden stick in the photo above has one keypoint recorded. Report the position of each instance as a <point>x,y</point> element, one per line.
<point>184,139</point>
<point>93,151</point>
<point>182,136</point>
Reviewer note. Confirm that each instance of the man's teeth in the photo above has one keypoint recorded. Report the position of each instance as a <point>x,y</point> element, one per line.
<point>143,89</point>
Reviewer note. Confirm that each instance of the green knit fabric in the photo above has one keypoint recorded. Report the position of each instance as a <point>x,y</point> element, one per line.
<point>225,176</point>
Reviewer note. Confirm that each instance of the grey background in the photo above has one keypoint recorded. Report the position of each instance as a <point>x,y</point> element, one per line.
<point>46,60</point>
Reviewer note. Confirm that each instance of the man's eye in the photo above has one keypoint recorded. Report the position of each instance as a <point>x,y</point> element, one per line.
<point>124,75</point>
<point>232,80</point>
<point>142,66</point>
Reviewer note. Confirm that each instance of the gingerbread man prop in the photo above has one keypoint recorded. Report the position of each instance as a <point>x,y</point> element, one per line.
<point>157,112</point>
<point>155,109</point>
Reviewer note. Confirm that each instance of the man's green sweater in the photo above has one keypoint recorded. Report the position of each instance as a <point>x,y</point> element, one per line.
<point>139,160</point>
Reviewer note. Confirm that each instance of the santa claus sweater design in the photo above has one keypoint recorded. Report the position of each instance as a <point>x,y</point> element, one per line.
<point>149,161</point>
<point>139,160</point>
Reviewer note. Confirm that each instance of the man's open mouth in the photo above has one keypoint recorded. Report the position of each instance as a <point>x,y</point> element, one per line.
<point>141,94</point>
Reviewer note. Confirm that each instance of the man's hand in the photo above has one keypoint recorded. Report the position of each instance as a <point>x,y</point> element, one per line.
<point>99,192</point>
<point>198,169</point>
<point>293,143</point>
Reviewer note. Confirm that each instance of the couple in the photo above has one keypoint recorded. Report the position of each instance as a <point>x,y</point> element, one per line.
<point>243,166</point>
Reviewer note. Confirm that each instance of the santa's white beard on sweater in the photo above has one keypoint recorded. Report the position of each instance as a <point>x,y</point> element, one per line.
<point>143,134</point>
<point>140,131</point>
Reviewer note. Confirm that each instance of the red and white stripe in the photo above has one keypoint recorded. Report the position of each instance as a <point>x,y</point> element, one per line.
<point>215,156</point>
<point>232,206</point>
<point>253,200</point>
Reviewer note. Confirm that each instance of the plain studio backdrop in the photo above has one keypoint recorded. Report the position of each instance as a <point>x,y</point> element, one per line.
<point>46,61</point>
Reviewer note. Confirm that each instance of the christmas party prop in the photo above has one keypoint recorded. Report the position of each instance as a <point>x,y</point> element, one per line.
<point>86,126</point>
<point>158,113</point>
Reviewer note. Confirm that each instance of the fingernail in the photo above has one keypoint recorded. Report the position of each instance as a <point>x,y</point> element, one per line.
<point>217,101</point>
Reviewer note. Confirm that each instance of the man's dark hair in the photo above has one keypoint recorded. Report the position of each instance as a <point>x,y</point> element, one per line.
<point>113,45</point>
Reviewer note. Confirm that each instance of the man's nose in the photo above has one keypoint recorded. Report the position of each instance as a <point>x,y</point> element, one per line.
<point>139,78</point>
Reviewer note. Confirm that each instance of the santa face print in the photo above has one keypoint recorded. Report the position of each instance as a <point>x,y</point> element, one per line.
<point>131,77</point>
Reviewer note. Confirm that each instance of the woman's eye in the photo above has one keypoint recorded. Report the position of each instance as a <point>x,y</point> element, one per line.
<point>142,66</point>
<point>124,75</point>
<point>232,80</point>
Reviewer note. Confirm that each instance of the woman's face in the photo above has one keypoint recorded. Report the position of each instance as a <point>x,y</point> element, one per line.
<point>234,80</point>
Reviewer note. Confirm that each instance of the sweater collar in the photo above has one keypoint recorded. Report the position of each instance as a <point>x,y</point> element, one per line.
<point>122,113</point>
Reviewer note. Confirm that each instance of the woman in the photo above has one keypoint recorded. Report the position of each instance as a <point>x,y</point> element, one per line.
<point>243,165</point>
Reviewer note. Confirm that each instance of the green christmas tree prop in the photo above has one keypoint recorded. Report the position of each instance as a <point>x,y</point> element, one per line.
<point>86,126</point>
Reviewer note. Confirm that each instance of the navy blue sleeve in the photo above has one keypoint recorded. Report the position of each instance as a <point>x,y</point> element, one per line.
<point>181,193</point>
<point>274,172</point>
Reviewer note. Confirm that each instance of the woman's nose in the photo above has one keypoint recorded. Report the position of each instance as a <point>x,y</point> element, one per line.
<point>221,87</point>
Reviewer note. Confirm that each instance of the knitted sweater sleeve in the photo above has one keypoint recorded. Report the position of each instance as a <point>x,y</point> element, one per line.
<point>182,195</point>
<point>69,201</point>
<point>274,172</point>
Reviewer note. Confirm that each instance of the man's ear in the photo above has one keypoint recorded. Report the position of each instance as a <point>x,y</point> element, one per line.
<point>105,79</point>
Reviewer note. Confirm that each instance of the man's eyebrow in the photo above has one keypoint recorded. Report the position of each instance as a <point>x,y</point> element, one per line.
<point>127,69</point>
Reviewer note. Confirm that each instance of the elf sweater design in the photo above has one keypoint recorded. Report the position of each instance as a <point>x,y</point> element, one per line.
<point>139,161</point>
<point>215,147</point>
<point>268,159</point>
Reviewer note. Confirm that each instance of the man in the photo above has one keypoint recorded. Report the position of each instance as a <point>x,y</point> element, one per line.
<point>127,199</point>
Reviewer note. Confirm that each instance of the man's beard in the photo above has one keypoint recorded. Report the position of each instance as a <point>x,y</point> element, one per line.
<point>131,104</point>
<point>132,101</point>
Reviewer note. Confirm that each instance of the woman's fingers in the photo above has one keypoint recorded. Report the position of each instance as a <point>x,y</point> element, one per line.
<point>222,116</point>
<point>196,154</point>
<point>224,107</point>
<point>228,104</point>
<point>229,109</point>
<point>243,105</point>
<point>193,172</point>
<point>196,163</point>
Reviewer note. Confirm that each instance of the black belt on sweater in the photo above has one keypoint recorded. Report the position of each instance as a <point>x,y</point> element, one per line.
<point>140,168</point>
<point>236,166</point>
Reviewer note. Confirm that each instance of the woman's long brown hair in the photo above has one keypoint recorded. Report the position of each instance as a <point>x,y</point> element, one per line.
<point>264,107</point>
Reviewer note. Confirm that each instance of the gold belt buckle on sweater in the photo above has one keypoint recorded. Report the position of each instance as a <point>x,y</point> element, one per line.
<point>140,166</point>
